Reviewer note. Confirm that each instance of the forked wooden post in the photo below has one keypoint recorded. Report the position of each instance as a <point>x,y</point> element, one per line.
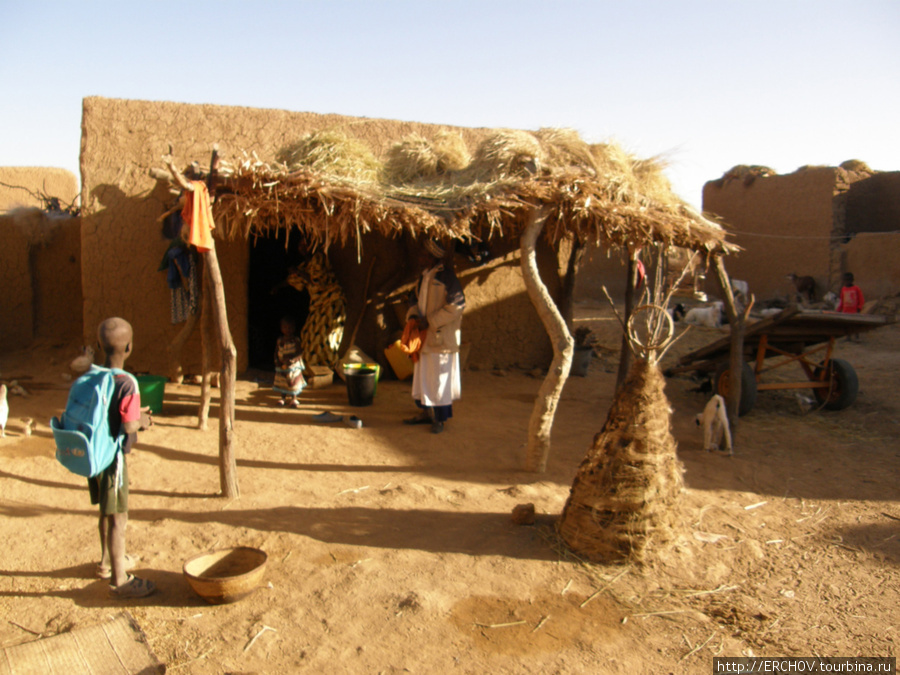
<point>227,463</point>
<point>541,422</point>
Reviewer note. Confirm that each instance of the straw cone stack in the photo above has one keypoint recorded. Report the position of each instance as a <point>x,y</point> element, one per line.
<point>623,499</point>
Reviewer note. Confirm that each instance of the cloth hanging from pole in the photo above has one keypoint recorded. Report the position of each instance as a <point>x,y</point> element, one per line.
<point>197,215</point>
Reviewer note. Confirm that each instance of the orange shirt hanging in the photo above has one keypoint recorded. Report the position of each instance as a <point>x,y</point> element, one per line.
<point>197,215</point>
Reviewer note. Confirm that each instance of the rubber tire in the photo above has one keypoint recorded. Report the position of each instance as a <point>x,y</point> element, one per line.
<point>748,386</point>
<point>846,390</point>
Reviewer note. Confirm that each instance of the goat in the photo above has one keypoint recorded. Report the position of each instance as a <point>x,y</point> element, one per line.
<point>714,421</point>
<point>711,316</point>
<point>806,287</point>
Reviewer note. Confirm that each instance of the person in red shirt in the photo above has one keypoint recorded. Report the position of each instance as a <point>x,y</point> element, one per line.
<point>851,300</point>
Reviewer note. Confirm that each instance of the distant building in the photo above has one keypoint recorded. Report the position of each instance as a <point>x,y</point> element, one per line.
<point>817,221</point>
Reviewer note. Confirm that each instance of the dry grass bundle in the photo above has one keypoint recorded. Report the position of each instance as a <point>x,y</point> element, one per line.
<point>651,180</point>
<point>856,165</point>
<point>507,153</point>
<point>564,148</point>
<point>412,159</point>
<point>326,188</point>
<point>332,153</point>
<point>622,502</point>
<point>747,173</point>
<point>452,152</point>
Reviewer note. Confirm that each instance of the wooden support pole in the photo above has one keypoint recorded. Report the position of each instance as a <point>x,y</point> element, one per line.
<point>207,339</point>
<point>541,422</point>
<point>626,357</point>
<point>228,377</point>
<point>736,361</point>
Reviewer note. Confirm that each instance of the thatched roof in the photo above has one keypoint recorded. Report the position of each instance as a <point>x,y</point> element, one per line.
<point>333,190</point>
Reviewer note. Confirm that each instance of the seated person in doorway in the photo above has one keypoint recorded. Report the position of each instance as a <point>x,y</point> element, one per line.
<point>436,305</point>
<point>289,367</point>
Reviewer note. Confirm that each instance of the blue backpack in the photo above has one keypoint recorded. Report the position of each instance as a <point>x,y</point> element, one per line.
<point>84,443</point>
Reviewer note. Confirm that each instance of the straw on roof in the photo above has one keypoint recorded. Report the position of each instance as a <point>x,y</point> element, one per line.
<point>597,194</point>
<point>332,153</point>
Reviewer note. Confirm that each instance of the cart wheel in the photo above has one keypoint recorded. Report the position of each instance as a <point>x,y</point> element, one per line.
<point>844,386</point>
<point>748,386</point>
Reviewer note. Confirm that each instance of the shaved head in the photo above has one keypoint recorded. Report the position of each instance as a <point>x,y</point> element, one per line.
<point>115,336</point>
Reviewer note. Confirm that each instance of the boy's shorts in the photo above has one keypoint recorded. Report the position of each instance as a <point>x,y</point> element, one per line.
<point>111,497</point>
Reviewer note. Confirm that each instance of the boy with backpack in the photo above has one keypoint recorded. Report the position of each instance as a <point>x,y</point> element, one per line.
<point>97,430</point>
<point>110,488</point>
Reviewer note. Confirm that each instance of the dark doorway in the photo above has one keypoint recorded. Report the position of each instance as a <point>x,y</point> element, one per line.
<point>270,298</point>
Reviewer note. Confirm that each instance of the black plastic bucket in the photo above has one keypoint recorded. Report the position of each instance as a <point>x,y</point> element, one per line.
<point>360,386</point>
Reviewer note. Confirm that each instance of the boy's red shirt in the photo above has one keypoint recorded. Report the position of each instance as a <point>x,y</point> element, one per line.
<point>852,300</point>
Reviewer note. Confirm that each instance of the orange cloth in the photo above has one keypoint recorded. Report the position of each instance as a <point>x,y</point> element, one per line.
<point>412,340</point>
<point>197,215</point>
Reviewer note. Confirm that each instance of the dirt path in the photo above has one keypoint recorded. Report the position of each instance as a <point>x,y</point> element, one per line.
<point>392,550</point>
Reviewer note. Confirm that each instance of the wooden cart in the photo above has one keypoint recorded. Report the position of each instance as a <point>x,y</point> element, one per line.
<point>804,337</point>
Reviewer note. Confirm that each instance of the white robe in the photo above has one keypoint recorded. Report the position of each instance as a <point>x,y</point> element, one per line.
<point>436,379</point>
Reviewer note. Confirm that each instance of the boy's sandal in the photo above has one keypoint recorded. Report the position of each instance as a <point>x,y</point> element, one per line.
<point>104,572</point>
<point>135,587</point>
<point>281,403</point>
<point>295,404</point>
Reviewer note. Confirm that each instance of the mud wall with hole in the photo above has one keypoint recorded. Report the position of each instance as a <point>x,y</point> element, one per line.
<point>122,244</point>
<point>783,223</point>
<point>40,272</point>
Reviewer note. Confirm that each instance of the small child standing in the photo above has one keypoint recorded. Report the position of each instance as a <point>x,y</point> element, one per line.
<point>851,301</point>
<point>109,489</point>
<point>289,366</point>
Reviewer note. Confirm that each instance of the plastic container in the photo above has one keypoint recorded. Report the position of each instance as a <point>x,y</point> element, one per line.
<point>349,368</point>
<point>361,386</point>
<point>400,362</point>
<point>152,389</point>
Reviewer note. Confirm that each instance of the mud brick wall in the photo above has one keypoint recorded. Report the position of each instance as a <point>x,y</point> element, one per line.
<point>122,245</point>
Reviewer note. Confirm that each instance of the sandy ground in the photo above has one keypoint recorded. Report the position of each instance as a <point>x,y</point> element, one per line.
<point>392,550</point>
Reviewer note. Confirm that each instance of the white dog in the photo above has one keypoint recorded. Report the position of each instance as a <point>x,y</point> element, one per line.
<point>714,420</point>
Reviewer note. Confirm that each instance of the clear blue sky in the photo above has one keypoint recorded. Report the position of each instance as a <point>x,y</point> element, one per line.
<point>710,84</point>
